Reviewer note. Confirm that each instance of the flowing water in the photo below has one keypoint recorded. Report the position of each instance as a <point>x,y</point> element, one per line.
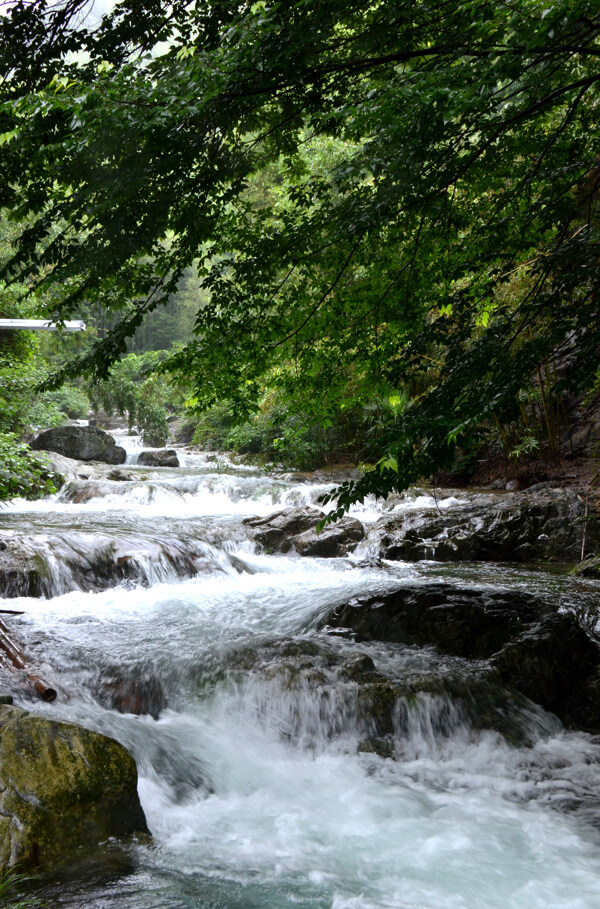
<point>256,787</point>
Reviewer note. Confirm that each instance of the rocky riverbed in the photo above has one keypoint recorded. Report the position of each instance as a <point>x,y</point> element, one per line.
<point>307,707</point>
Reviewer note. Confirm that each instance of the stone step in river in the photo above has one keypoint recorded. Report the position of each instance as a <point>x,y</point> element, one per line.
<point>286,758</point>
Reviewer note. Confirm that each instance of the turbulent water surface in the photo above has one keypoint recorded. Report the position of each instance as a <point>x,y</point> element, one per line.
<point>256,790</point>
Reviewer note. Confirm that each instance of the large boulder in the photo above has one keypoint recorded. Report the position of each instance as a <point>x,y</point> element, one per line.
<point>295,529</point>
<point>530,646</point>
<point>62,789</point>
<point>518,527</point>
<point>164,457</point>
<point>83,443</point>
<point>275,531</point>
<point>553,662</point>
<point>463,621</point>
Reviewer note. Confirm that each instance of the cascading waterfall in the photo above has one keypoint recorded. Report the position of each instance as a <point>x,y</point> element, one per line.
<point>271,776</point>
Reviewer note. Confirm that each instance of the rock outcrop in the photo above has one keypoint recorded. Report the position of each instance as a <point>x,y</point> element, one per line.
<point>164,457</point>
<point>528,645</point>
<point>295,529</point>
<point>62,789</point>
<point>517,527</point>
<point>82,443</point>
<point>48,565</point>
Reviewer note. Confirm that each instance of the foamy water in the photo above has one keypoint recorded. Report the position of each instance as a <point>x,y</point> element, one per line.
<point>254,786</point>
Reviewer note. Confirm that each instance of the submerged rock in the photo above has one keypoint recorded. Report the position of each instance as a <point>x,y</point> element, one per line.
<point>295,529</point>
<point>518,527</point>
<point>136,692</point>
<point>82,443</point>
<point>63,788</point>
<point>311,693</point>
<point>164,457</point>
<point>542,654</point>
<point>120,476</point>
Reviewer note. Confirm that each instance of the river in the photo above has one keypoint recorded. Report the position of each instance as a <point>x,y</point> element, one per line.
<point>255,788</point>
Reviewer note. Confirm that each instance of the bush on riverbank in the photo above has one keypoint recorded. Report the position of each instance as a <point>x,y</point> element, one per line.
<point>21,474</point>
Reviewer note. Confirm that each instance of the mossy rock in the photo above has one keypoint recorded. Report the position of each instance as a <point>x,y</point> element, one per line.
<point>590,568</point>
<point>62,788</point>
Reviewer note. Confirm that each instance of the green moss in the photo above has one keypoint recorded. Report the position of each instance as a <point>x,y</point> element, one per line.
<point>64,788</point>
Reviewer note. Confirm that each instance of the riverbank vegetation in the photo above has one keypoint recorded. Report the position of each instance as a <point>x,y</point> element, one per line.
<point>361,229</point>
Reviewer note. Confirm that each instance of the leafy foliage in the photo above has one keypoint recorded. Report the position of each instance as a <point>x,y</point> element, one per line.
<point>356,183</point>
<point>22,474</point>
<point>132,391</point>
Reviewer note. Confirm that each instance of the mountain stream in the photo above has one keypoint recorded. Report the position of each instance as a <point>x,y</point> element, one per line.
<point>255,786</point>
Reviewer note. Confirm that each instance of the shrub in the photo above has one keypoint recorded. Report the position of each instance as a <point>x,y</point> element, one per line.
<point>23,474</point>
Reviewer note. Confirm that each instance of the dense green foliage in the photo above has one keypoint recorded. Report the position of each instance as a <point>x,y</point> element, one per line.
<point>135,391</point>
<point>383,201</point>
<point>22,474</point>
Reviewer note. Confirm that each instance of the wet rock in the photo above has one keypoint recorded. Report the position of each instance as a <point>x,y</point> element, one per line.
<point>473,623</point>
<point>48,565</point>
<point>550,663</point>
<point>584,703</point>
<point>62,789</point>
<point>297,477</point>
<point>316,693</point>
<point>333,541</point>
<point>165,457</point>
<point>358,667</point>
<point>20,576</point>
<point>295,529</point>
<point>275,532</point>
<point>529,646</point>
<point>82,443</point>
<point>519,527</point>
<point>120,476</point>
<point>590,568</point>
<point>140,693</point>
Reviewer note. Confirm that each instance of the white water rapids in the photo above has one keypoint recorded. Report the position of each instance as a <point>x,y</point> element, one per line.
<point>254,787</point>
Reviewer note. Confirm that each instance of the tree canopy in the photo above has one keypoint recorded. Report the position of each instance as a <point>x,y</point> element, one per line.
<point>377,196</point>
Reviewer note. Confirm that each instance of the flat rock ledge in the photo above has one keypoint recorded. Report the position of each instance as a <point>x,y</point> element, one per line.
<point>546,524</point>
<point>62,789</point>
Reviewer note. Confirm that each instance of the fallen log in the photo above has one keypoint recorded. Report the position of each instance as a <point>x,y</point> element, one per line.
<point>17,658</point>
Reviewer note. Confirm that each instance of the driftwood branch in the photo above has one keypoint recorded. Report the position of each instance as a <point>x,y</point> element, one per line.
<point>18,660</point>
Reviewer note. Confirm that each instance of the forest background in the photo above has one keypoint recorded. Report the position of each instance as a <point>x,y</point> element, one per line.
<point>333,230</point>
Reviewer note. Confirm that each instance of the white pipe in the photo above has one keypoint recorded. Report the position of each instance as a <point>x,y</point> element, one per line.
<point>42,325</point>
